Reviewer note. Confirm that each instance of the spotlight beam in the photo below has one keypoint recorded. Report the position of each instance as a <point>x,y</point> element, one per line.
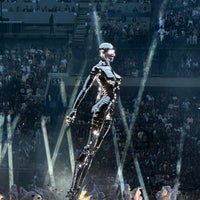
<point>63,93</point>
<point>146,70</point>
<point>5,147</point>
<point>139,174</point>
<point>129,130</point>
<point>48,154</point>
<point>139,97</point>
<point>119,172</point>
<point>136,163</point>
<point>1,134</point>
<point>10,157</point>
<point>179,161</point>
<point>97,26</point>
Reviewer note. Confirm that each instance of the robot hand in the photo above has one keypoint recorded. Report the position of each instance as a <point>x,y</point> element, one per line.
<point>70,117</point>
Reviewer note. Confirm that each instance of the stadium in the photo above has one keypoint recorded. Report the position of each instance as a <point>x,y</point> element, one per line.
<point>47,49</point>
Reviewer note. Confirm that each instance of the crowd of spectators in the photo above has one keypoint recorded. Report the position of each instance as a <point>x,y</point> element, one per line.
<point>163,119</point>
<point>182,63</point>
<point>127,21</point>
<point>180,23</point>
<point>168,63</point>
<point>23,81</point>
<point>37,6</point>
<point>124,21</point>
<point>134,22</point>
<point>24,78</point>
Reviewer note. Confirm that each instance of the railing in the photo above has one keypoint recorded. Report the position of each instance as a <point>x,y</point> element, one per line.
<point>135,82</point>
<point>39,17</point>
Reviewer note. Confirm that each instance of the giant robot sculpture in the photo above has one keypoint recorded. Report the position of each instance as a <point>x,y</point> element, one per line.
<point>102,112</point>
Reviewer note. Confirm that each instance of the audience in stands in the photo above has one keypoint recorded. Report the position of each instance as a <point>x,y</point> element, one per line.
<point>181,22</point>
<point>37,6</point>
<point>163,121</point>
<point>130,21</point>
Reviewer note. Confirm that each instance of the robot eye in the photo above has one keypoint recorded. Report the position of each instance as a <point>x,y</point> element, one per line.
<point>111,52</point>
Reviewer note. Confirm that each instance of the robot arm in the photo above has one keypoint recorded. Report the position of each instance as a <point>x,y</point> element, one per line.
<point>86,86</point>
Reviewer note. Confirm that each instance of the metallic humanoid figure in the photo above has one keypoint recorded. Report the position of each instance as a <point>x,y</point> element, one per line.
<point>108,83</point>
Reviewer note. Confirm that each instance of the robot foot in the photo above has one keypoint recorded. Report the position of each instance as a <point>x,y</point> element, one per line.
<point>73,194</point>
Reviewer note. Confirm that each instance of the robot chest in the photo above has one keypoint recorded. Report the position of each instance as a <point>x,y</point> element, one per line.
<point>109,76</point>
<point>107,82</point>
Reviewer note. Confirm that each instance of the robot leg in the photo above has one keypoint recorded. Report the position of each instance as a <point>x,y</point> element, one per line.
<point>81,166</point>
<point>99,128</point>
<point>103,133</point>
<point>94,142</point>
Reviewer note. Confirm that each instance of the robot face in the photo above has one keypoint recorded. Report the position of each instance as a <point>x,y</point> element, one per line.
<point>107,51</point>
<point>109,55</point>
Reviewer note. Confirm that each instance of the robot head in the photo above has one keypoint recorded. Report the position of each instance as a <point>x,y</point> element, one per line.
<point>107,52</point>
